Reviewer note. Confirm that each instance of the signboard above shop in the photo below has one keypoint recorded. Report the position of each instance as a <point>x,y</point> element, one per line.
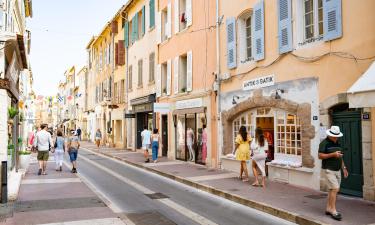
<point>259,82</point>
<point>191,103</point>
<point>163,108</point>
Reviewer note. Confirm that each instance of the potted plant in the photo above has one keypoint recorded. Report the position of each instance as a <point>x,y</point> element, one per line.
<point>24,159</point>
<point>12,112</point>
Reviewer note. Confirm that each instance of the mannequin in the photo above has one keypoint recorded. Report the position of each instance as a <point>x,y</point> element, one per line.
<point>189,143</point>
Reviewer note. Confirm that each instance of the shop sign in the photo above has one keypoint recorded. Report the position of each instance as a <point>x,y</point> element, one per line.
<point>191,103</point>
<point>259,82</point>
<point>129,115</point>
<point>162,108</point>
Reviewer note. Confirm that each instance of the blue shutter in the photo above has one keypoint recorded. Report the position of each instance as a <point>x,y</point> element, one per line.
<point>285,26</point>
<point>258,31</point>
<point>332,21</point>
<point>133,30</point>
<point>143,20</point>
<point>152,13</point>
<point>126,34</point>
<point>136,32</point>
<point>231,43</point>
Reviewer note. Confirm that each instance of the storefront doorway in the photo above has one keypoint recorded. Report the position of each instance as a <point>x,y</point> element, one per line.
<point>143,120</point>
<point>191,137</point>
<point>164,130</point>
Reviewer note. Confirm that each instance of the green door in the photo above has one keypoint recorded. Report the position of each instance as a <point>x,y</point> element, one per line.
<point>350,125</point>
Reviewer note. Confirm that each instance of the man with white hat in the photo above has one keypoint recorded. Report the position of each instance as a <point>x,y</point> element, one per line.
<point>330,152</point>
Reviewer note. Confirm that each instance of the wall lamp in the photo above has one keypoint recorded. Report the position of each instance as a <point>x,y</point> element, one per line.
<point>277,95</point>
<point>234,99</point>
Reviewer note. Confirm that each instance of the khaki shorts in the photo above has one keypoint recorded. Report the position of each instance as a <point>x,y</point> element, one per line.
<point>43,155</point>
<point>332,179</point>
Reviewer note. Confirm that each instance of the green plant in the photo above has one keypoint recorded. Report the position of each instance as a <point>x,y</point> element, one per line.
<point>10,149</point>
<point>19,140</point>
<point>12,112</point>
<point>24,152</point>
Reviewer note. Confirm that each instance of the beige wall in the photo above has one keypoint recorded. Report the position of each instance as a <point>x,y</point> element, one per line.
<point>358,39</point>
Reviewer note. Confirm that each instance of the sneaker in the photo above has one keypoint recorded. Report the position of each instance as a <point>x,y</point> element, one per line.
<point>39,172</point>
<point>148,160</point>
<point>75,170</point>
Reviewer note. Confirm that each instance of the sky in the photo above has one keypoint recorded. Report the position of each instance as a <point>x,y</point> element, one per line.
<point>60,32</point>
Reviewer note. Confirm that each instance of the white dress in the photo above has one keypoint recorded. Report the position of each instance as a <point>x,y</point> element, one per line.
<point>259,154</point>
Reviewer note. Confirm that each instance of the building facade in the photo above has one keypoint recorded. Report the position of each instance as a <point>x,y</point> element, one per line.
<point>286,67</point>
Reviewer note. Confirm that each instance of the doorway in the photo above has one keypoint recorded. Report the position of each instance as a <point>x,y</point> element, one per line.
<point>350,125</point>
<point>144,119</point>
<point>164,129</point>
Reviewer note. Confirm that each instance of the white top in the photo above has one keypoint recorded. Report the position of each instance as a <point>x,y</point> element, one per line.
<point>366,82</point>
<point>259,149</point>
<point>43,140</point>
<point>146,137</point>
<point>155,137</point>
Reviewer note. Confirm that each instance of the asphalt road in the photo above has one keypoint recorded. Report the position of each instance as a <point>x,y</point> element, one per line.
<point>147,198</point>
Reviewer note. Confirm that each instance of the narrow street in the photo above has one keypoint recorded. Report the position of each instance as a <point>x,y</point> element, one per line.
<point>144,196</point>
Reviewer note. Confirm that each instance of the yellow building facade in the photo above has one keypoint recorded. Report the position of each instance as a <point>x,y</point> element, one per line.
<point>286,66</point>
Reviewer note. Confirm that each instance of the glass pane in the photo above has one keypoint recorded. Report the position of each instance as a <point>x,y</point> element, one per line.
<point>202,139</point>
<point>243,120</point>
<point>291,119</point>
<point>180,141</point>
<point>309,32</point>
<point>191,136</point>
<point>309,4</point>
<point>320,28</point>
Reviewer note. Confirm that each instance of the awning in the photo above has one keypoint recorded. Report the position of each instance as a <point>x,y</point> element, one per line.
<point>362,92</point>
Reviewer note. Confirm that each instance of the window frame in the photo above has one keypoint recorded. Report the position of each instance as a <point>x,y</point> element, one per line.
<point>242,35</point>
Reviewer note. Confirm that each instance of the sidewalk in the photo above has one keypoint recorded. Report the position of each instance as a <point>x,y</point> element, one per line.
<point>56,198</point>
<point>302,206</point>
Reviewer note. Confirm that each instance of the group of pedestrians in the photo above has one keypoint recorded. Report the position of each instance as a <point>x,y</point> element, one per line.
<point>44,143</point>
<point>150,140</point>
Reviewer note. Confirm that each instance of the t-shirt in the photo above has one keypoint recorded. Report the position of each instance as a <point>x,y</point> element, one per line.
<point>146,134</point>
<point>43,140</point>
<point>74,144</point>
<point>327,146</point>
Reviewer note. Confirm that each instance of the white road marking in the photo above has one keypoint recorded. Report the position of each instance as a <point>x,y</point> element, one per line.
<point>168,202</point>
<point>213,177</point>
<point>51,181</point>
<point>105,221</point>
<point>115,208</point>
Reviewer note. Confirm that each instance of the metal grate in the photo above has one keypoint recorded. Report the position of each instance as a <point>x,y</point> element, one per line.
<point>157,195</point>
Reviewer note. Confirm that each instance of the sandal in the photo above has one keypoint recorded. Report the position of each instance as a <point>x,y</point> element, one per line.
<point>255,184</point>
<point>335,216</point>
<point>245,180</point>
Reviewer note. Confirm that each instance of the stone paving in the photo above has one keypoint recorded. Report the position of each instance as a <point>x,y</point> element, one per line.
<point>300,205</point>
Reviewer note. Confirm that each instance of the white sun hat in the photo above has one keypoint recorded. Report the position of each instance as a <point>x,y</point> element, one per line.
<point>334,132</point>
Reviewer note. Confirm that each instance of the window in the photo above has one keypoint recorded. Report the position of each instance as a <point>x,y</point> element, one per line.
<point>152,13</point>
<point>130,78</point>
<point>131,30</point>
<point>288,134</point>
<point>164,78</point>
<point>182,14</point>
<point>164,26</point>
<point>140,30</point>
<point>151,68</point>
<point>122,91</point>
<point>245,37</point>
<point>116,93</point>
<point>182,74</point>
<point>313,19</point>
<point>140,71</point>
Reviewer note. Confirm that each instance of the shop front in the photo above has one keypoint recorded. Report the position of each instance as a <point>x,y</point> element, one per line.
<point>144,116</point>
<point>287,113</point>
<point>191,138</point>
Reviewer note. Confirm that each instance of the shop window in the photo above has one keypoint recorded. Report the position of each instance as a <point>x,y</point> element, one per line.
<point>164,78</point>
<point>180,137</point>
<point>288,134</point>
<point>182,74</point>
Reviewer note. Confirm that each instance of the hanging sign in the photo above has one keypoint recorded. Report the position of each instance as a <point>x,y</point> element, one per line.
<point>259,82</point>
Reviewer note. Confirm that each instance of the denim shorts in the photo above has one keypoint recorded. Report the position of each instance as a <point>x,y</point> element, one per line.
<point>73,155</point>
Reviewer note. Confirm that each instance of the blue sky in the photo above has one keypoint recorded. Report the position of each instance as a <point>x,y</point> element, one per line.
<point>60,31</point>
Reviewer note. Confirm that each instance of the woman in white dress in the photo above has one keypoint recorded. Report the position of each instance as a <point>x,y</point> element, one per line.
<point>259,147</point>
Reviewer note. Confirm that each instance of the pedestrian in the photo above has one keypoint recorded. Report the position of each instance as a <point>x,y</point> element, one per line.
<point>42,142</point>
<point>59,150</point>
<point>155,145</point>
<point>98,137</point>
<point>79,132</point>
<point>330,152</point>
<point>73,146</point>
<point>146,141</point>
<point>259,147</point>
<point>242,149</point>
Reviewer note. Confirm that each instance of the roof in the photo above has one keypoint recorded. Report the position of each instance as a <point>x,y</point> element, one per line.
<point>366,82</point>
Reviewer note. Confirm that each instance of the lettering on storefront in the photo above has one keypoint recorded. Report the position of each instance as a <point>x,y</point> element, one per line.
<point>163,108</point>
<point>259,82</point>
<point>191,103</point>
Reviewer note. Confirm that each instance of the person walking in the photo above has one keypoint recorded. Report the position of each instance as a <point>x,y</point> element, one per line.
<point>242,149</point>
<point>59,150</point>
<point>42,142</point>
<point>73,146</point>
<point>155,145</point>
<point>98,137</point>
<point>146,141</point>
<point>79,132</point>
<point>330,152</point>
<point>259,147</point>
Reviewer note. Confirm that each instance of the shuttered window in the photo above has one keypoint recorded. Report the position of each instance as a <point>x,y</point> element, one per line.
<point>151,67</point>
<point>126,34</point>
<point>258,31</point>
<point>140,73</point>
<point>143,20</point>
<point>285,26</point>
<point>152,13</point>
<point>231,42</point>
<point>332,21</point>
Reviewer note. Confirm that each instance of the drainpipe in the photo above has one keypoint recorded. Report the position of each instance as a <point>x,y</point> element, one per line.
<point>218,80</point>
<point>126,84</point>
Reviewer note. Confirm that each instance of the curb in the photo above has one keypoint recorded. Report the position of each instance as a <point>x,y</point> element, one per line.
<point>280,213</point>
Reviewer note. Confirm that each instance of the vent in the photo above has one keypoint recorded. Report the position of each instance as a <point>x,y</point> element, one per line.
<point>332,23</point>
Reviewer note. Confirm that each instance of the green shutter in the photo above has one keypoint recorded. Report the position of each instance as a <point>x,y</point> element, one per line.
<point>143,20</point>
<point>126,34</point>
<point>136,32</point>
<point>152,13</point>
